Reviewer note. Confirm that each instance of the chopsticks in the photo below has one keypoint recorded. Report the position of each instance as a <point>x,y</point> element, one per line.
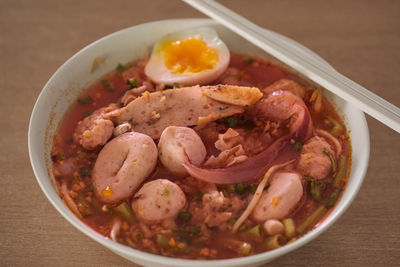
<point>333,81</point>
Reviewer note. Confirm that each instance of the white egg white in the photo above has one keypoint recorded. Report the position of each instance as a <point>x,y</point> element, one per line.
<point>158,72</point>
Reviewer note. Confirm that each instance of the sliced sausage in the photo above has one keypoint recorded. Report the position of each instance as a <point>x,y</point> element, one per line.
<point>281,198</point>
<point>122,165</point>
<point>173,141</point>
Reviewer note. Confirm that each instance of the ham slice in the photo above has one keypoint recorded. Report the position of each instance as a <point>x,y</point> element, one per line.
<point>197,105</point>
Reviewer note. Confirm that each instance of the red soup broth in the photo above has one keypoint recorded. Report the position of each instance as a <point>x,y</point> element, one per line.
<point>187,240</point>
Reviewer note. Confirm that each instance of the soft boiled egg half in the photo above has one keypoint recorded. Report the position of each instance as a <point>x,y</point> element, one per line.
<point>188,57</point>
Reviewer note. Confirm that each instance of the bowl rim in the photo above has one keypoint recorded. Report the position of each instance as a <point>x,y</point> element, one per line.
<point>123,250</point>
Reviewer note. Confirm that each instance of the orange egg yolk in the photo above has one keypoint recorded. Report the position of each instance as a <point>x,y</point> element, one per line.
<point>189,56</point>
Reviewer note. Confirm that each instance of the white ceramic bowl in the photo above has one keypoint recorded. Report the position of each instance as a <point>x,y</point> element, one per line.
<point>133,43</point>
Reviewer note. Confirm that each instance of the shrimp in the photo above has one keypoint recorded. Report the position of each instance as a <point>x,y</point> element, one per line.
<point>279,105</point>
<point>158,200</point>
<point>122,165</point>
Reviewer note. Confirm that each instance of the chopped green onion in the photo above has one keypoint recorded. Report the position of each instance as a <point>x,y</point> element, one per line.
<point>236,121</point>
<point>253,188</point>
<point>77,177</point>
<point>78,151</point>
<point>132,82</point>
<point>88,211</point>
<point>183,237</point>
<point>227,189</point>
<point>242,228</point>
<point>337,128</point>
<point>232,122</point>
<point>240,188</point>
<point>61,155</point>
<point>332,198</point>
<point>255,232</point>
<point>275,242</point>
<point>121,68</point>
<point>201,239</point>
<point>314,189</point>
<point>124,211</point>
<point>108,85</point>
<point>83,171</point>
<point>184,216</point>
<point>194,229</point>
<point>197,196</point>
<point>232,221</point>
<point>85,100</point>
<point>298,145</point>
<point>266,186</point>
<point>184,250</point>
<point>82,203</point>
<point>87,113</point>
<point>290,229</point>
<point>312,219</point>
<point>91,187</point>
<point>249,61</point>
<point>175,85</point>
<point>329,154</point>
<point>162,241</point>
<point>341,171</point>
<point>165,192</point>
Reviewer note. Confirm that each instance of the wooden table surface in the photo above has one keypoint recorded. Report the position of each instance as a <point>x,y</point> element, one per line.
<point>361,39</point>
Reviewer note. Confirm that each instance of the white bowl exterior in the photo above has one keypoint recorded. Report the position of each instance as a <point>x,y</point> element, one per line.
<point>134,43</point>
